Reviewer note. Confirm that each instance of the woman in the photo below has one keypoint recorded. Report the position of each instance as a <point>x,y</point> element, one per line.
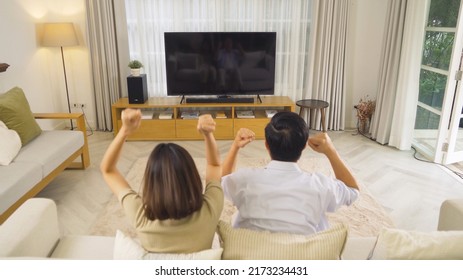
<point>172,215</point>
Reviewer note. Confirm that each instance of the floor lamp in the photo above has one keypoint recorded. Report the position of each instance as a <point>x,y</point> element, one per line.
<point>61,35</point>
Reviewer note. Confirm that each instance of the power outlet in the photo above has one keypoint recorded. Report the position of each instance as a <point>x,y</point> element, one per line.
<point>79,105</point>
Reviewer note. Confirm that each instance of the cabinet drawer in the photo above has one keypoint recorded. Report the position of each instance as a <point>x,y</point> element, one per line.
<point>153,130</point>
<point>224,129</point>
<point>186,129</point>
<point>256,125</point>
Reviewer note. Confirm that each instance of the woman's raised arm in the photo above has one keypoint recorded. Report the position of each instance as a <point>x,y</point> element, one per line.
<point>206,126</point>
<point>114,179</point>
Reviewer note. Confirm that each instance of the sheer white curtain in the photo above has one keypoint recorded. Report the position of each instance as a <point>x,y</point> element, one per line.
<point>148,20</point>
<point>398,89</point>
<point>389,72</point>
<point>327,71</point>
<point>403,120</point>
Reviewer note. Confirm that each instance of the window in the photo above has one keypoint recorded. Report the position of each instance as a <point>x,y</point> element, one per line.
<point>148,20</point>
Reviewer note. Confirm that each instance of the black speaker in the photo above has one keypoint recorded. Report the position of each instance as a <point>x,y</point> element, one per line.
<point>137,88</point>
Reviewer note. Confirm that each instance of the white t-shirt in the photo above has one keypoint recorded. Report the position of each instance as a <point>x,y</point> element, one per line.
<point>283,198</point>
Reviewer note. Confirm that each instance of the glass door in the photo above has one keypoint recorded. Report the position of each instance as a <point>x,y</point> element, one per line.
<point>453,148</point>
<point>438,84</point>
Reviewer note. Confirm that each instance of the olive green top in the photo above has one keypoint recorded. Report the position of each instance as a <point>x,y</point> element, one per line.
<point>187,235</point>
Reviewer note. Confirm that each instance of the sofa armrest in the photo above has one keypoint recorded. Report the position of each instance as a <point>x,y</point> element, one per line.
<point>451,215</point>
<point>80,120</point>
<point>31,231</point>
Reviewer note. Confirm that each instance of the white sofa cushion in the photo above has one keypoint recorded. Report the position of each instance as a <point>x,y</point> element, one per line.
<point>10,144</point>
<point>31,231</point>
<point>84,247</point>
<point>397,244</point>
<point>126,248</point>
<point>358,248</point>
<point>51,148</point>
<point>17,179</point>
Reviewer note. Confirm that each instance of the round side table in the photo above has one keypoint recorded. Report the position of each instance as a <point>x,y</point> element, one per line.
<point>309,104</point>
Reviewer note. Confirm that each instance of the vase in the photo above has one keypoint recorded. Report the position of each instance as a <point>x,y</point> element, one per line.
<point>364,126</point>
<point>135,72</point>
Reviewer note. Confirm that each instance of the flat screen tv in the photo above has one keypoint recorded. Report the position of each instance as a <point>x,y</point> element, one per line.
<point>220,63</point>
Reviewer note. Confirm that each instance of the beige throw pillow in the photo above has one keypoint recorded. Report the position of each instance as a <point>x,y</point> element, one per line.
<point>397,244</point>
<point>245,244</point>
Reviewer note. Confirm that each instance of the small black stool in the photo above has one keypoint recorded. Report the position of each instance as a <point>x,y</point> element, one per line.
<point>309,104</point>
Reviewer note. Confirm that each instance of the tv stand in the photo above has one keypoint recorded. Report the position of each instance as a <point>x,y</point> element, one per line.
<point>156,126</point>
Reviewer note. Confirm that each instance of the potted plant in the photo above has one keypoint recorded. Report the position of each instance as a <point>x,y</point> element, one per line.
<point>135,66</point>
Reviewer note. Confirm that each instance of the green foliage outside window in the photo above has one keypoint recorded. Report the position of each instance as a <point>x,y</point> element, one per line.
<point>437,51</point>
<point>443,13</point>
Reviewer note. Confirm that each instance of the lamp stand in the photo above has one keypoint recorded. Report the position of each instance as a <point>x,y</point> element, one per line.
<point>66,83</point>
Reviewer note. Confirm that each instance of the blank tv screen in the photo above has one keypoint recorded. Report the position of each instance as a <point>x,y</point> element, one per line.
<point>220,63</point>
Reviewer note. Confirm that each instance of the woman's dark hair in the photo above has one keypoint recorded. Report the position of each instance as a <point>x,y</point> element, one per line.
<point>172,187</point>
<point>286,135</point>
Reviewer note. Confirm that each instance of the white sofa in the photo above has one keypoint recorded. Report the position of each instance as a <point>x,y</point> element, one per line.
<point>33,232</point>
<point>41,160</point>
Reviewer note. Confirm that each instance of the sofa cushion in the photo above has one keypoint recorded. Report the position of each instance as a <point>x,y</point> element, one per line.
<point>245,244</point>
<point>397,244</point>
<point>31,231</point>
<point>358,248</point>
<point>10,144</point>
<point>127,248</point>
<point>17,179</point>
<point>51,149</point>
<point>84,247</point>
<point>16,114</point>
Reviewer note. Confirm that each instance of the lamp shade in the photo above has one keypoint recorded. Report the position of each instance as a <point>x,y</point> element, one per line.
<point>60,34</point>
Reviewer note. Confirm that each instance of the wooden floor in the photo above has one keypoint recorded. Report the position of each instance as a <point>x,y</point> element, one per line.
<point>410,190</point>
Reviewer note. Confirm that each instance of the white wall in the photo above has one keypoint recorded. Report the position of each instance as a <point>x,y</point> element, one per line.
<point>39,70</point>
<point>364,40</point>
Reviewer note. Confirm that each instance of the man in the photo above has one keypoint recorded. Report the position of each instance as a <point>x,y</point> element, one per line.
<point>281,197</point>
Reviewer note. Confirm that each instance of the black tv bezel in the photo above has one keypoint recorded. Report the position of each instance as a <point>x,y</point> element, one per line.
<point>222,94</point>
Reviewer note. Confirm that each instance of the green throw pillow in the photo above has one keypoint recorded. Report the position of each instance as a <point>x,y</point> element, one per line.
<point>16,114</point>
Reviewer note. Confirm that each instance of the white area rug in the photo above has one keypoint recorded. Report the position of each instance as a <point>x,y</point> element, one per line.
<point>365,217</point>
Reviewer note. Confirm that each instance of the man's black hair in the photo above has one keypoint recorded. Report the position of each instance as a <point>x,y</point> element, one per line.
<point>286,135</point>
